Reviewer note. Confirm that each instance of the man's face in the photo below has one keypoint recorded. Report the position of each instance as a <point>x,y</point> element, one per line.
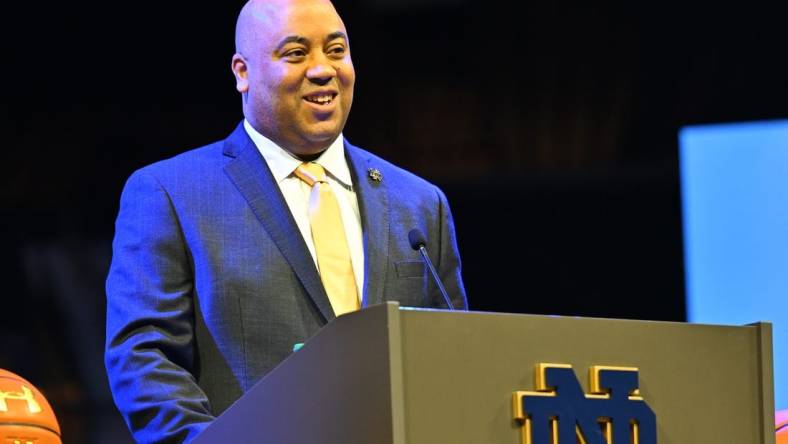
<point>295,73</point>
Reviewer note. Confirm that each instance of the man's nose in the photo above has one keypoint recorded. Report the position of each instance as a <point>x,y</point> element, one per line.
<point>321,71</point>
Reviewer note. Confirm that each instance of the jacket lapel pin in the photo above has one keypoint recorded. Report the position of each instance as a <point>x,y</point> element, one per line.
<point>375,174</point>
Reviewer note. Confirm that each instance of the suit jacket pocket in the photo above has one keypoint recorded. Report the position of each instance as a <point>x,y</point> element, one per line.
<point>410,269</point>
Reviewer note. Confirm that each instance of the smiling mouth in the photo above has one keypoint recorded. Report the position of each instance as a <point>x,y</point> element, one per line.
<point>321,99</point>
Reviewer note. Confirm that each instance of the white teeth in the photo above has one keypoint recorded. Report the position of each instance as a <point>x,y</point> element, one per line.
<point>321,99</point>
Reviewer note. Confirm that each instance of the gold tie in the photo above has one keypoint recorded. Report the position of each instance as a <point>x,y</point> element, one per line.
<point>328,233</point>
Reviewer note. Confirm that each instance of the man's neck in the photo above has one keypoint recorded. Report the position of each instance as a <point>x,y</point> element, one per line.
<point>308,157</point>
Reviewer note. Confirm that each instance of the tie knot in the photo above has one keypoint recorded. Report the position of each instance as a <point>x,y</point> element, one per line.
<point>310,173</point>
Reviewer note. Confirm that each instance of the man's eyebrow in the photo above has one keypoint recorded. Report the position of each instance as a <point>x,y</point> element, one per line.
<point>337,35</point>
<point>305,41</point>
<point>292,39</point>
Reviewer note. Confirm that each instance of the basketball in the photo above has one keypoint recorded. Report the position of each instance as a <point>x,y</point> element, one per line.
<point>781,424</point>
<point>25,415</point>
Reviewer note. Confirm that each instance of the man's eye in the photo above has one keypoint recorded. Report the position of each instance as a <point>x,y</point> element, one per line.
<point>295,53</point>
<point>336,51</point>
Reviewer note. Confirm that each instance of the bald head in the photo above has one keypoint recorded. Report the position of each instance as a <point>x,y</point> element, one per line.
<point>293,69</point>
<point>258,15</point>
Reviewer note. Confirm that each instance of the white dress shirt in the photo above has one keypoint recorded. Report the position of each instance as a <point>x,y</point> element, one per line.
<point>296,193</point>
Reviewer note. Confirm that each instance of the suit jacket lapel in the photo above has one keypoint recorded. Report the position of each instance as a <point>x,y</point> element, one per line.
<point>373,204</point>
<point>253,179</point>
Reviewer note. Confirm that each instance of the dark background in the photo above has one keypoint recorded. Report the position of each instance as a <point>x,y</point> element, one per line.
<point>551,127</point>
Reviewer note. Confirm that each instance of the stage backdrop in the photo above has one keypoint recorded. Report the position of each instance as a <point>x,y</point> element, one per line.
<point>734,186</point>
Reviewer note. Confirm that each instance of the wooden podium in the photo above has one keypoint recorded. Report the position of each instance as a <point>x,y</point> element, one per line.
<point>391,374</point>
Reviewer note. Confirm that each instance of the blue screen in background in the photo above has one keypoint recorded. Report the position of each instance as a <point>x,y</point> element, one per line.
<point>734,186</point>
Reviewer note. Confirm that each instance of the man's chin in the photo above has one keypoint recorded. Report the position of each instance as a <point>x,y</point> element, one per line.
<point>317,135</point>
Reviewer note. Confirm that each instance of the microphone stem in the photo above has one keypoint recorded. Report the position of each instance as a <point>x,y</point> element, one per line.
<point>435,277</point>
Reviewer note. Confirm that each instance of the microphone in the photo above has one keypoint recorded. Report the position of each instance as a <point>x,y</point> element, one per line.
<point>418,242</point>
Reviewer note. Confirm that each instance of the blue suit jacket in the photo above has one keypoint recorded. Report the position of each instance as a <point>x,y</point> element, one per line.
<point>212,284</point>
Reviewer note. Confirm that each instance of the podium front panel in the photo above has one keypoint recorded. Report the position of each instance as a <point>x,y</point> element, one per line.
<point>706,384</point>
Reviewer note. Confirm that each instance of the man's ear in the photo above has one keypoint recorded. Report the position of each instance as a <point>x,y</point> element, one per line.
<point>241,73</point>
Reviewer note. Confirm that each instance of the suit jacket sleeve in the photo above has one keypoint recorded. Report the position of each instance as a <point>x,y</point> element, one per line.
<point>450,269</point>
<point>150,319</point>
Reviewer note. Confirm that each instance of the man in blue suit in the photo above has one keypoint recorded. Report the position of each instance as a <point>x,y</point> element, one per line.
<point>214,274</point>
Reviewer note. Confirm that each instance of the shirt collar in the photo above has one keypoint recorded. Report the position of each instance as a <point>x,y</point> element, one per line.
<point>282,162</point>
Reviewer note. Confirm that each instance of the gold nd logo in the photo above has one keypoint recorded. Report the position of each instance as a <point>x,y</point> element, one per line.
<point>21,441</point>
<point>559,412</point>
<point>25,395</point>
